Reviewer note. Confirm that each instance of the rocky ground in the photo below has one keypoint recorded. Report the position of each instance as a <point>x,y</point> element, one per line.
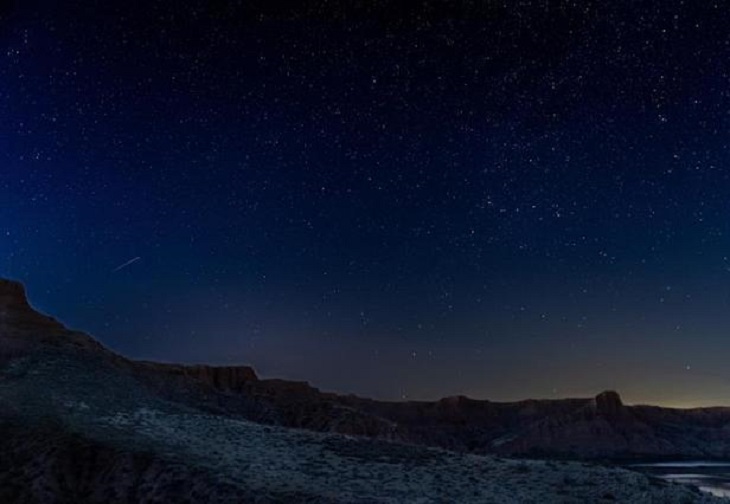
<point>82,431</point>
<point>79,424</point>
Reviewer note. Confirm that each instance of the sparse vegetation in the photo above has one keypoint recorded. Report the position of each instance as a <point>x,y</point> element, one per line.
<point>94,410</point>
<point>80,424</point>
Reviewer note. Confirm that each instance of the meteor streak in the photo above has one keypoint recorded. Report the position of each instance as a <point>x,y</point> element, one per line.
<point>122,266</point>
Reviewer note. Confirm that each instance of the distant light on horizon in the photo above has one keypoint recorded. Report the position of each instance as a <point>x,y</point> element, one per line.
<point>509,203</point>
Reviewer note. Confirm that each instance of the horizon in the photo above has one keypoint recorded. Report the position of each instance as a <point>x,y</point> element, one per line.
<point>262,376</point>
<point>486,199</point>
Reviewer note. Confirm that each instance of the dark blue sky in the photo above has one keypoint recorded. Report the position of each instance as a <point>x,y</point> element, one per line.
<point>498,199</point>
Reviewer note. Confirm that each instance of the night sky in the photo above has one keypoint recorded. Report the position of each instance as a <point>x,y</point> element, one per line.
<point>498,199</point>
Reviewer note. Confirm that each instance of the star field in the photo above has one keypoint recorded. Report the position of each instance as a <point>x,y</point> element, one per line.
<point>498,199</point>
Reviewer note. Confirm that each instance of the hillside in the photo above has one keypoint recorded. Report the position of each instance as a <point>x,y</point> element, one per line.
<point>81,424</point>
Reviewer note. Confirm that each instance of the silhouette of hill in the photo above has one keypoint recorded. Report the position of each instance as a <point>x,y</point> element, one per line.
<point>81,424</point>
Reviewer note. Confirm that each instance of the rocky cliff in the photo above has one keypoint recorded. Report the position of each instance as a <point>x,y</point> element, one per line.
<point>599,427</point>
<point>23,329</point>
<point>222,378</point>
<point>81,424</point>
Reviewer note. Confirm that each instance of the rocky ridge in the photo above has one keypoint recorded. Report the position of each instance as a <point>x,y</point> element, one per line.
<point>81,424</point>
<point>591,428</point>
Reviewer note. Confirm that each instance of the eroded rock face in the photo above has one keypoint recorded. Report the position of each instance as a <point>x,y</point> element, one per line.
<point>593,427</point>
<point>223,378</point>
<point>12,295</point>
<point>609,404</point>
<point>23,329</point>
<point>16,314</point>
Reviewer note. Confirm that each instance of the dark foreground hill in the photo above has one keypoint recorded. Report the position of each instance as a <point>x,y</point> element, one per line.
<point>80,424</point>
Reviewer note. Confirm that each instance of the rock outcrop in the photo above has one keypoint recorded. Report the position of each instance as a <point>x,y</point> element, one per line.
<point>609,405</point>
<point>23,329</point>
<point>17,318</point>
<point>596,427</point>
<point>222,378</point>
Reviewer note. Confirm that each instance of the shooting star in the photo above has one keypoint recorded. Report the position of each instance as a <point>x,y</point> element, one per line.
<point>122,266</point>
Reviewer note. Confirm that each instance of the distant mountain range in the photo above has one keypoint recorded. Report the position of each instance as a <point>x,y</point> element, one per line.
<point>601,427</point>
<point>81,424</point>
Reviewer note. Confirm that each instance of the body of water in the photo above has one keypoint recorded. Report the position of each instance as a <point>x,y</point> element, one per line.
<point>711,477</point>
